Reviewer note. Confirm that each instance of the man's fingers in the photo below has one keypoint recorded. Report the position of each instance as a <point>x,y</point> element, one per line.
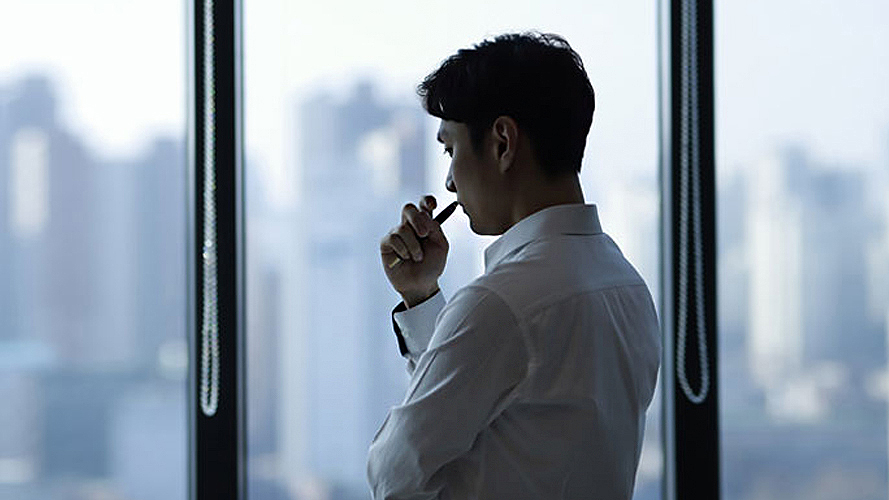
<point>428,204</point>
<point>407,235</point>
<point>393,243</point>
<point>416,223</point>
<point>420,221</point>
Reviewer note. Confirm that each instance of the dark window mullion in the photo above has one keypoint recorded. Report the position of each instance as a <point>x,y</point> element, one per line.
<point>217,415</point>
<point>691,417</point>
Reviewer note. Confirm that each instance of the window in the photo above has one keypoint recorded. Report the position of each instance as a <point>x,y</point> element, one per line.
<point>802,153</point>
<point>336,142</point>
<point>93,353</point>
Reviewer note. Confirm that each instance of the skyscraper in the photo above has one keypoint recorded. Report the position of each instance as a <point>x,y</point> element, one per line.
<point>360,158</point>
<point>773,225</point>
<point>69,243</point>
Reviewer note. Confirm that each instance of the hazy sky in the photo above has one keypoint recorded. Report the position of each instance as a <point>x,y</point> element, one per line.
<point>302,48</point>
<point>119,66</point>
<point>810,71</point>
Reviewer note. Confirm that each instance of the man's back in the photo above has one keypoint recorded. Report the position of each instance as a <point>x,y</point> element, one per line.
<point>558,344</point>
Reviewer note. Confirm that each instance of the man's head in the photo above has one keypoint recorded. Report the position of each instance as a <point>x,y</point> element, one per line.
<point>516,109</point>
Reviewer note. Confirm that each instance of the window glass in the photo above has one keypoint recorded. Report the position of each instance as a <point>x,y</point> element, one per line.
<point>336,143</point>
<point>92,250</point>
<point>802,140</point>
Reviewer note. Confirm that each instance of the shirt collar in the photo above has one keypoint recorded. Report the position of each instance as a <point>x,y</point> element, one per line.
<point>574,218</point>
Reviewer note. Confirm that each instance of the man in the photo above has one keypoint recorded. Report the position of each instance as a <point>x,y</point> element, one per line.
<point>533,380</point>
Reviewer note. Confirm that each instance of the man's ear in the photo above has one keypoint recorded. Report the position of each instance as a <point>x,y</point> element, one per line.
<point>506,135</point>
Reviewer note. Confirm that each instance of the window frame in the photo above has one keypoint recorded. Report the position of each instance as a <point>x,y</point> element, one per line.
<point>217,444</point>
<point>690,428</point>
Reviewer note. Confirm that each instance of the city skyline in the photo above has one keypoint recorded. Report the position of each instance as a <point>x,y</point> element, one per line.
<point>626,87</point>
<point>94,226</point>
<point>92,255</point>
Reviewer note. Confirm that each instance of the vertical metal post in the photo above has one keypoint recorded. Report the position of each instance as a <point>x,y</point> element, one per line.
<point>688,263</point>
<point>216,257</point>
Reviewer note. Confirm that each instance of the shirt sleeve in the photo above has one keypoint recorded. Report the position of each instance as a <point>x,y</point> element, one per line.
<point>414,327</point>
<point>462,381</point>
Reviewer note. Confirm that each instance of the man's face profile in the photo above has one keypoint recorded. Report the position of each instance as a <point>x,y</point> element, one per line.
<point>471,176</point>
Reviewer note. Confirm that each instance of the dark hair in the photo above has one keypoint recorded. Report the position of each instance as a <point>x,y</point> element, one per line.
<point>536,79</point>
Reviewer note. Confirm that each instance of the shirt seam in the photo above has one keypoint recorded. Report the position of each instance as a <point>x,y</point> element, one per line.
<point>518,320</point>
<point>568,295</point>
<point>534,239</point>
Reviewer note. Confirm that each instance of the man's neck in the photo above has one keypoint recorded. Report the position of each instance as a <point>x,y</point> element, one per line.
<point>547,193</point>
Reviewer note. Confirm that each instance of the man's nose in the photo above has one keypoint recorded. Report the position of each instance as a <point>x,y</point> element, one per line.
<point>449,184</point>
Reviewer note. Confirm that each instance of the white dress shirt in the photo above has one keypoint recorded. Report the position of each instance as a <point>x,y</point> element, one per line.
<point>532,382</point>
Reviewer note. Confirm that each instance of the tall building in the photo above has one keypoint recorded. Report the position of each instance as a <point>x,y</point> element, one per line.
<point>34,156</point>
<point>67,270</point>
<point>28,138</point>
<point>811,338</point>
<point>155,244</point>
<point>360,160</point>
<point>7,318</point>
<point>276,360</point>
<point>70,237</point>
<point>773,225</point>
<point>837,228</point>
<point>739,396</point>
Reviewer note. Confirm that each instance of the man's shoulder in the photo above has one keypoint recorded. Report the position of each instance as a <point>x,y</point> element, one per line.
<point>475,295</point>
<point>517,285</point>
<point>476,309</point>
<point>542,275</point>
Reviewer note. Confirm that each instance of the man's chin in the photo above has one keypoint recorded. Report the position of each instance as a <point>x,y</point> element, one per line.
<point>472,225</point>
<point>483,231</point>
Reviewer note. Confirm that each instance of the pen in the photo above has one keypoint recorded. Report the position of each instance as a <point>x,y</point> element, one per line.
<point>440,218</point>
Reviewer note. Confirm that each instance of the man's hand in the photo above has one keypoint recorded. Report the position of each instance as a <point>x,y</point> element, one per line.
<point>423,249</point>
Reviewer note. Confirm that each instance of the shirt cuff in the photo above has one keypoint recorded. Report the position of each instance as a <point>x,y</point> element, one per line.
<point>414,326</point>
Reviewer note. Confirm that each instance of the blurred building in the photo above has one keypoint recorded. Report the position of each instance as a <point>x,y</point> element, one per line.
<point>774,249</point>
<point>361,159</point>
<point>837,228</point>
<point>811,338</point>
<point>92,303</point>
